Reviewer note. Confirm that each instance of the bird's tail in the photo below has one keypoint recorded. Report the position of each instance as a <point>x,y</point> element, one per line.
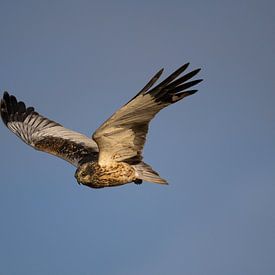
<point>145,172</point>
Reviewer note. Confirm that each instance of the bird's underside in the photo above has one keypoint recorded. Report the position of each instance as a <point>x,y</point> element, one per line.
<point>113,156</point>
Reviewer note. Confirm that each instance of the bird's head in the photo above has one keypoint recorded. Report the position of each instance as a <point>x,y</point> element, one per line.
<point>84,172</point>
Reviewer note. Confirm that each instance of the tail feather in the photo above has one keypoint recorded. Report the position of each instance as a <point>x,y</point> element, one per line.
<point>145,172</point>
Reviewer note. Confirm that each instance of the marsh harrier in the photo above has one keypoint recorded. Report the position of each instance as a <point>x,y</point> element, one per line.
<point>113,156</point>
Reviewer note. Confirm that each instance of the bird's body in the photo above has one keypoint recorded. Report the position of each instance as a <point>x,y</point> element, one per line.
<point>97,176</point>
<point>113,156</point>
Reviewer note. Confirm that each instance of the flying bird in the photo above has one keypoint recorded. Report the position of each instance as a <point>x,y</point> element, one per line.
<point>113,156</point>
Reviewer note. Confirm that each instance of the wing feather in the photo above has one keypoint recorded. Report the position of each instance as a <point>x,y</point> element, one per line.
<point>122,136</point>
<point>44,134</point>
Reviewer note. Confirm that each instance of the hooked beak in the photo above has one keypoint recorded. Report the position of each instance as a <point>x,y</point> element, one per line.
<point>76,176</point>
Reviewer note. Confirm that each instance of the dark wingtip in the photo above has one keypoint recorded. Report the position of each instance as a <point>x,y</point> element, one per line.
<point>191,92</point>
<point>158,74</point>
<point>199,80</point>
<point>182,95</point>
<point>5,95</point>
<point>185,86</point>
<point>151,82</point>
<point>198,70</point>
<point>184,67</point>
<point>11,109</point>
<point>4,107</point>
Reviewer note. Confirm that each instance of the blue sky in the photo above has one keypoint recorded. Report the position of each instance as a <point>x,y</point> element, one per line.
<point>77,62</point>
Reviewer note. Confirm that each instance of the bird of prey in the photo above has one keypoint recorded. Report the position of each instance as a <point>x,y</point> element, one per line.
<point>113,156</point>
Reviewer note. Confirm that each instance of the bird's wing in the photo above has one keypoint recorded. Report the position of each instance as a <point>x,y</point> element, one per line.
<point>122,136</point>
<point>44,134</point>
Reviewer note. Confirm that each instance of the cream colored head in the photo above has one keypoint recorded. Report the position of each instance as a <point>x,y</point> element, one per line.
<point>84,172</point>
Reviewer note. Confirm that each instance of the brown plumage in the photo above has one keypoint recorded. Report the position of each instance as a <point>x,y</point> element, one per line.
<point>113,156</point>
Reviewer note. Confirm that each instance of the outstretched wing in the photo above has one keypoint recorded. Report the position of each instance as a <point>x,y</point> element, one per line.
<point>44,134</point>
<point>122,136</point>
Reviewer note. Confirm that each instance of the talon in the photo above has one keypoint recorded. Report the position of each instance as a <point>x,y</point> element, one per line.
<point>138,181</point>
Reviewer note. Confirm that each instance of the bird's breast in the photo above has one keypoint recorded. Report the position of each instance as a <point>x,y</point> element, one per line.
<point>114,174</point>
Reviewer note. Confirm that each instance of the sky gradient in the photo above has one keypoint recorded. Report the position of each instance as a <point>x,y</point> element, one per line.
<point>78,61</point>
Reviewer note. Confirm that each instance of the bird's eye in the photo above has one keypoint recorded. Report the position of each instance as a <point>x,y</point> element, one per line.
<point>84,174</point>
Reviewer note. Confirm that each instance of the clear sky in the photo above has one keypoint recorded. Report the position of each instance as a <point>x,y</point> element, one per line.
<point>77,62</point>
